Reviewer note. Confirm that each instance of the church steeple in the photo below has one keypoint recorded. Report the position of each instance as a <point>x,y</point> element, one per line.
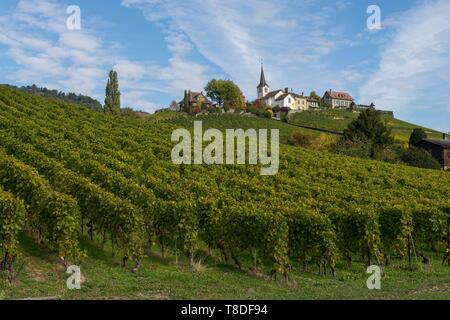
<point>263,87</point>
<point>262,81</point>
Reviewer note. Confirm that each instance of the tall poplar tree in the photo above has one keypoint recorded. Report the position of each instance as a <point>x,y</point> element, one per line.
<point>112,99</point>
<point>186,105</point>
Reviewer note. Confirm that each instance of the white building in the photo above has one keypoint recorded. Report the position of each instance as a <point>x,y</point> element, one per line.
<point>280,98</point>
<point>337,100</point>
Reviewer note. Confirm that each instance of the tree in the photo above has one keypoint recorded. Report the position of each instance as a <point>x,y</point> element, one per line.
<point>186,105</point>
<point>225,93</point>
<point>112,99</point>
<point>420,158</point>
<point>314,95</point>
<point>417,135</point>
<point>369,128</point>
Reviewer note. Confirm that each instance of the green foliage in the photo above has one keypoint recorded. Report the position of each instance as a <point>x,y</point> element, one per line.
<point>339,120</point>
<point>370,127</point>
<point>302,139</point>
<point>56,216</point>
<point>128,112</point>
<point>420,158</point>
<point>308,139</point>
<point>12,219</point>
<point>112,99</point>
<point>417,135</point>
<point>68,97</point>
<point>186,105</point>
<point>314,95</point>
<point>268,114</point>
<point>226,93</point>
<point>312,236</point>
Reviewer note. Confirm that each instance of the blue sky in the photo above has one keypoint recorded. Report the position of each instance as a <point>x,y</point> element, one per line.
<point>161,47</point>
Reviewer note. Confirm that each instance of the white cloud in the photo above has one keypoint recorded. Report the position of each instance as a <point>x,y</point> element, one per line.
<point>81,41</point>
<point>234,35</point>
<point>412,61</point>
<point>130,70</point>
<point>46,52</point>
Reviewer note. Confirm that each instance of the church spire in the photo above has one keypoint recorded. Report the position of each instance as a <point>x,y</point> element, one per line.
<point>262,82</point>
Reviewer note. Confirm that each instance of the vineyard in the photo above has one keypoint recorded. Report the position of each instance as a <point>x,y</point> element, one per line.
<point>67,172</point>
<point>338,120</point>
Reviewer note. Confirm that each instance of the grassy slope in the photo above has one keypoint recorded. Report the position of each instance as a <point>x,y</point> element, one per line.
<point>234,121</point>
<point>338,120</point>
<point>164,279</point>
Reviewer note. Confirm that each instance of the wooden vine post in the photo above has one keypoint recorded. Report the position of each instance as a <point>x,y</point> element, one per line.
<point>409,252</point>
<point>448,242</point>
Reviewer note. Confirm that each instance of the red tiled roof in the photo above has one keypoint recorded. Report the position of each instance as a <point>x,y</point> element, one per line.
<point>340,95</point>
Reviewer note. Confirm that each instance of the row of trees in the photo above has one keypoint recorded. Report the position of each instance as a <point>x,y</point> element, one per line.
<point>69,97</point>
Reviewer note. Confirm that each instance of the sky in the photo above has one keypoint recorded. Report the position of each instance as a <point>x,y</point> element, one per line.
<point>162,47</point>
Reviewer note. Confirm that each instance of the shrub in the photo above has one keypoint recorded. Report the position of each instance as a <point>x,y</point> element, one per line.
<point>324,142</point>
<point>302,139</point>
<point>353,148</point>
<point>371,128</point>
<point>416,136</point>
<point>416,157</point>
<point>268,113</point>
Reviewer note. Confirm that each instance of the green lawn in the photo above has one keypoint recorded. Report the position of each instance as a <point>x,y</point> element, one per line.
<point>43,276</point>
<point>338,120</point>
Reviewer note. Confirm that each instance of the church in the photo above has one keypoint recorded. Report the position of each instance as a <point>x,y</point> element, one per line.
<point>283,98</point>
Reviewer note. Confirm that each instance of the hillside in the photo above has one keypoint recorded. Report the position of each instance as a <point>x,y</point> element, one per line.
<point>235,121</point>
<point>96,186</point>
<point>68,97</point>
<point>338,120</point>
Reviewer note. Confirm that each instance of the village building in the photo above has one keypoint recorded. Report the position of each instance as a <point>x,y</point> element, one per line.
<point>313,103</point>
<point>337,100</point>
<point>301,101</point>
<point>196,100</point>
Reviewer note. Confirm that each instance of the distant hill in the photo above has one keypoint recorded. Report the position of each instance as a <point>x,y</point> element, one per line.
<point>338,120</point>
<point>68,97</point>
